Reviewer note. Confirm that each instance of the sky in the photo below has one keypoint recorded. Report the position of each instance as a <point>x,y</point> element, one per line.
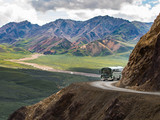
<point>44,11</point>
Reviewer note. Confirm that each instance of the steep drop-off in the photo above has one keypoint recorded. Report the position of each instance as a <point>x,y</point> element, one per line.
<point>84,102</point>
<point>143,69</point>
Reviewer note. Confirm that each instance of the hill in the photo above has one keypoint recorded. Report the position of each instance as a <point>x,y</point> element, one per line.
<point>142,70</point>
<point>68,36</point>
<point>19,87</point>
<point>10,52</point>
<point>84,102</point>
<point>103,48</point>
<point>9,49</point>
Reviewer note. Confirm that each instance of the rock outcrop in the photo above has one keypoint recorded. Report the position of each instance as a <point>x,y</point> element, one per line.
<point>143,69</point>
<point>84,102</point>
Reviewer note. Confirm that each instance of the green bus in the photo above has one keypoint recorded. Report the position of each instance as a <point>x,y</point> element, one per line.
<point>111,73</point>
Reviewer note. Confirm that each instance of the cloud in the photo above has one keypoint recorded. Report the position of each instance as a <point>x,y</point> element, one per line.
<point>140,10</point>
<point>45,5</point>
<point>17,10</point>
<point>135,11</point>
<point>44,11</point>
<point>143,12</point>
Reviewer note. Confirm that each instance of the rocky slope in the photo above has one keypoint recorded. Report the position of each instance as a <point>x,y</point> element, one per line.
<point>105,47</point>
<point>75,33</point>
<point>142,70</point>
<point>51,45</point>
<point>84,102</point>
<point>10,32</point>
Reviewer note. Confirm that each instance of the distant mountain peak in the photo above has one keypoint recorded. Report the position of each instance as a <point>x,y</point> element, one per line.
<point>25,21</point>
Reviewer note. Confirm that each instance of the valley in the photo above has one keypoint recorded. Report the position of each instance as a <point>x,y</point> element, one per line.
<point>37,61</point>
<point>21,87</point>
<point>10,52</point>
<point>81,64</point>
<point>48,68</point>
<point>33,81</point>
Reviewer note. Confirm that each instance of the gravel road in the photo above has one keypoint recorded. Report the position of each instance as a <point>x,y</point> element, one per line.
<point>47,68</point>
<point>106,85</point>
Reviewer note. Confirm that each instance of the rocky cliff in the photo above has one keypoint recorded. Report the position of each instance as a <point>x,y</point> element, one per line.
<point>143,69</point>
<point>84,102</point>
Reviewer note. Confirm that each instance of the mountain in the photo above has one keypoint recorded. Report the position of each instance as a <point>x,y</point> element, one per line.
<point>75,34</point>
<point>51,45</point>
<point>84,102</point>
<point>10,32</point>
<point>103,47</point>
<point>142,70</point>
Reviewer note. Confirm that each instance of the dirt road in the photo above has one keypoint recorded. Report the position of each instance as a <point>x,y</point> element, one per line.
<point>99,84</point>
<point>107,85</point>
<point>47,68</point>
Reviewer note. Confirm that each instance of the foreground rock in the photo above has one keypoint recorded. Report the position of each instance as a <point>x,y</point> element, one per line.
<point>143,69</point>
<point>84,102</point>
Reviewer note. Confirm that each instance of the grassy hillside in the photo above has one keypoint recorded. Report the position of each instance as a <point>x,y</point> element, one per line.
<point>8,48</point>
<point>19,87</point>
<point>9,52</point>
<point>82,64</point>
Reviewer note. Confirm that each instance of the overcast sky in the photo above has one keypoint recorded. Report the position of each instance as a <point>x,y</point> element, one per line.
<point>44,11</point>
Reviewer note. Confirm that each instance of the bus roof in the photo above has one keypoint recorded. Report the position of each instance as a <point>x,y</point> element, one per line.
<point>117,67</point>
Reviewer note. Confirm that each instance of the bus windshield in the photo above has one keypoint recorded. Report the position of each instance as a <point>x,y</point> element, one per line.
<point>111,73</point>
<point>106,71</point>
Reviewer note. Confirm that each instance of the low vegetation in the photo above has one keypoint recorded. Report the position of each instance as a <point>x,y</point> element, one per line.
<point>19,87</point>
<point>82,64</point>
<point>9,52</point>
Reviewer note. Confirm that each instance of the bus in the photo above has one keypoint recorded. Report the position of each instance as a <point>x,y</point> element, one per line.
<point>111,73</point>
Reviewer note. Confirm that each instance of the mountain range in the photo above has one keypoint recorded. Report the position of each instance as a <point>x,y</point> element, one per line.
<point>101,35</point>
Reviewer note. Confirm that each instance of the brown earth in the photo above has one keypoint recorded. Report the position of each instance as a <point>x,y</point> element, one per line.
<point>104,47</point>
<point>142,70</point>
<point>81,101</point>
